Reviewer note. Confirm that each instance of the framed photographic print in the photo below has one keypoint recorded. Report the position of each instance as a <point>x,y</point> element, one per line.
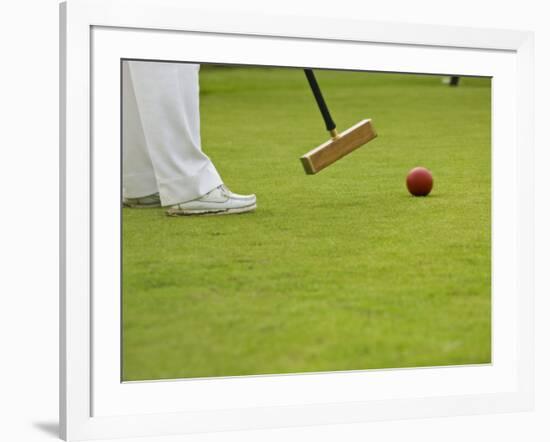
<point>281,221</point>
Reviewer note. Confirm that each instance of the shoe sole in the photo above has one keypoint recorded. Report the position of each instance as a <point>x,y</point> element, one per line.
<point>211,212</point>
<point>140,206</point>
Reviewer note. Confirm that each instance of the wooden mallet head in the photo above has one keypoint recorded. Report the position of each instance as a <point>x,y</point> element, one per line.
<point>340,144</point>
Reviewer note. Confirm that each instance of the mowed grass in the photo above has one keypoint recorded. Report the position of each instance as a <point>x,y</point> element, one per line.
<point>343,270</point>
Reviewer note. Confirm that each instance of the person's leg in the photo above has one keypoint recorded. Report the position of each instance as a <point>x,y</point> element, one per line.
<point>167,96</point>
<point>138,175</point>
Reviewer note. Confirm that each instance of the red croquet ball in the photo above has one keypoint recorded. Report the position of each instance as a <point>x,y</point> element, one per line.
<point>420,181</point>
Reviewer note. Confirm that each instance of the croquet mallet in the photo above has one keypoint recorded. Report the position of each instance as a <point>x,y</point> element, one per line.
<point>340,144</point>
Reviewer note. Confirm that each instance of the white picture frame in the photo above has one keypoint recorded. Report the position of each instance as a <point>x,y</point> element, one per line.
<point>95,35</point>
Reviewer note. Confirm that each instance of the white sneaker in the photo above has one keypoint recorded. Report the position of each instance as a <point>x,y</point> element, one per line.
<point>219,201</point>
<point>142,202</point>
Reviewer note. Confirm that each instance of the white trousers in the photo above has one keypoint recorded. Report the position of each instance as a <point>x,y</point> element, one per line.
<point>161,133</point>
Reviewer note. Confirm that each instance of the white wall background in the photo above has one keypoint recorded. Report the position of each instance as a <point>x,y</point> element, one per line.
<point>29,204</point>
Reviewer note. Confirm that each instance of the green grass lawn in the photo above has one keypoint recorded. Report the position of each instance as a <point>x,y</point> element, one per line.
<point>343,270</point>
